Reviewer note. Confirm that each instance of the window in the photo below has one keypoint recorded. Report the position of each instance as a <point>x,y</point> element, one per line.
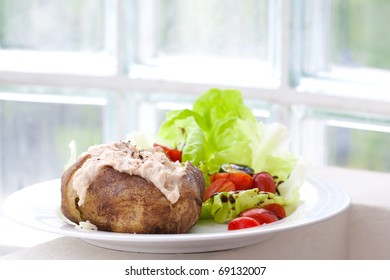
<point>344,47</point>
<point>343,50</point>
<point>94,71</point>
<point>236,40</point>
<point>74,37</point>
<point>346,139</point>
<point>37,125</point>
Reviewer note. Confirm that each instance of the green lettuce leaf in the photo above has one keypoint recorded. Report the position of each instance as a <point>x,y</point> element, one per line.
<point>220,129</point>
<point>271,151</point>
<point>216,105</point>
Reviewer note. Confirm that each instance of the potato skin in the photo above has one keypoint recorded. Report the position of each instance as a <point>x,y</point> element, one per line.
<point>119,202</point>
<point>68,195</point>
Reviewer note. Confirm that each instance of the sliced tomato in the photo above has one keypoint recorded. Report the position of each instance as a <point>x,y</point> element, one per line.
<point>242,222</point>
<point>264,182</point>
<point>261,215</point>
<point>242,181</point>
<point>220,185</point>
<point>278,209</point>
<point>173,154</point>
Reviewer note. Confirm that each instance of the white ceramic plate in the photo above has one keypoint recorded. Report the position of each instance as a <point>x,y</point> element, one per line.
<point>37,207</point>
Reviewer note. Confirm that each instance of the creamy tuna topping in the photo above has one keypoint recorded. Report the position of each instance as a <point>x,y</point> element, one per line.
<point>151,164</point>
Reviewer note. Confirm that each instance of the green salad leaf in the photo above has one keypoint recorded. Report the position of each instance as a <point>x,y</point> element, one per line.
<point>220,129</point>
<point>216,131</point>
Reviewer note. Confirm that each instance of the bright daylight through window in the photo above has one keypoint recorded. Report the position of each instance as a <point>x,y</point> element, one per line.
<point>95,70</point>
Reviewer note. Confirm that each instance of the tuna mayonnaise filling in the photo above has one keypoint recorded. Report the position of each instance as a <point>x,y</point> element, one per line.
<point>151,164</point>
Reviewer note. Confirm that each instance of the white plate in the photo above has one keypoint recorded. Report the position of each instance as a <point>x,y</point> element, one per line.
<point>37,206</point>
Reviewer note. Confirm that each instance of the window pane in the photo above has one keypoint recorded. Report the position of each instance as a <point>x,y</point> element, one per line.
<point>360,33</point>
<point>346,140</point>
<point>149,110</point>
<point>229,42</point>
<point>73,25</point>
<point>36,129</point>
<point>72,37</point>
<point>344,47</point>
<point>214,28</point>
<point>358,147</point>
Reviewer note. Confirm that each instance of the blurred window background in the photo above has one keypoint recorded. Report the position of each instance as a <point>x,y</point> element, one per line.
<point>95,70</point>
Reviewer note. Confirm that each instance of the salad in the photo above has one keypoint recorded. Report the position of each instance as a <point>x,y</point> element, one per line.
<point>252,177</point>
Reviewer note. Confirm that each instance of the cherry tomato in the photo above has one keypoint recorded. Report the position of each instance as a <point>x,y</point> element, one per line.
<point>277,209</point>
<point>242,222</point>
<point>261,215</point>
<point>173,154</point>
<point>264,182</point>
<point>242,181</point>
<point>220,185</point>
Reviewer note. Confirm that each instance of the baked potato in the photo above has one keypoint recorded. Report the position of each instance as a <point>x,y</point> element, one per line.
<point>144,193</point>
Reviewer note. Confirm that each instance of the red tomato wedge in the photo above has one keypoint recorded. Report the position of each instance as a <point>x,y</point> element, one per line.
<point>173,154</point>
<point>261,215</point>
<point>264,182</point>
<point>242,181</point>
<point>242,222</point>
<point>220,185</point>
<point>277,209</point>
